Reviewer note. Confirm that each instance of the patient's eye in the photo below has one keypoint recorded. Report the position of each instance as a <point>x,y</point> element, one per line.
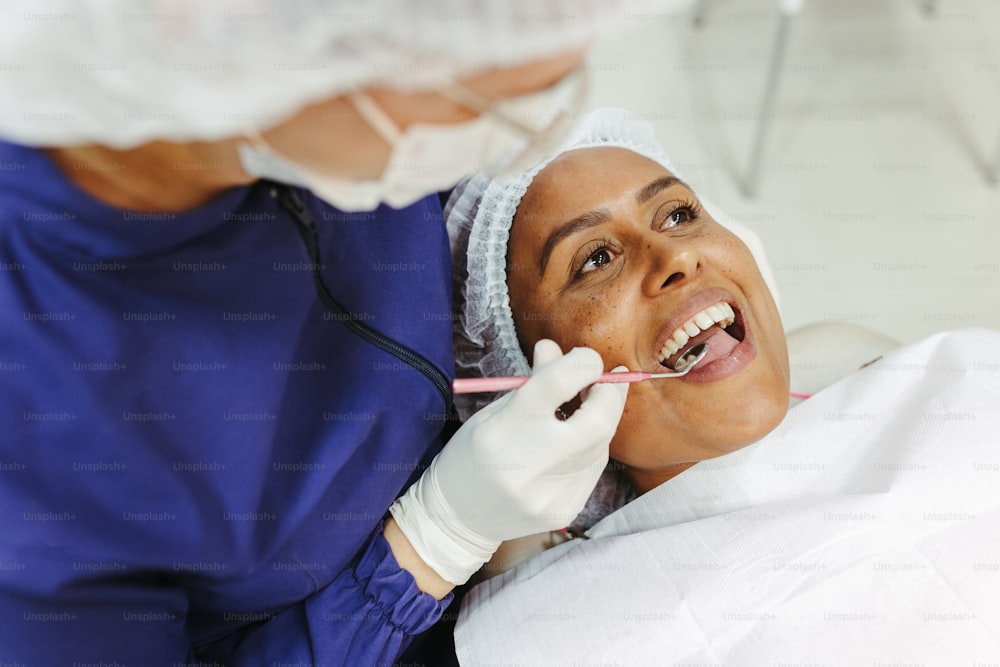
<point>594,257</point>
<point>680,213</point>
<point>596,260</point>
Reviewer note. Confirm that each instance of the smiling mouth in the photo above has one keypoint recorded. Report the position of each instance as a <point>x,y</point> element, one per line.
<point>720,319</point>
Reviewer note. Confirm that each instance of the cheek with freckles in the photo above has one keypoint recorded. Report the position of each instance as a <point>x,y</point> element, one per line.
<point>729,254</point>
<point>597,325</point>
<point>601,323</point>
<point>608,324</point>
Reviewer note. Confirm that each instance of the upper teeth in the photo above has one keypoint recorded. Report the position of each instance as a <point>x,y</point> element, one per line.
<point>721,314</point>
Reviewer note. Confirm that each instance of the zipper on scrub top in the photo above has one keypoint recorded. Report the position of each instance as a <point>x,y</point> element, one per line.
<point>304,222</point>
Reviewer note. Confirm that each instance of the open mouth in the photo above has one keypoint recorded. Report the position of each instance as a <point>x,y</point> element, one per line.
<point>720,326</point>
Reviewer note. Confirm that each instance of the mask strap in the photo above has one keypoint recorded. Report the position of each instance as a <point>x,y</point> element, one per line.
<point>376,118</point>
<point>253,134</point>
<point>260,159</point>
<point>256,139</point>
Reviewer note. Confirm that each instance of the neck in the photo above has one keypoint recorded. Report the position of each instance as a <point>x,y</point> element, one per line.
<point>159,176</point>
<point>647,480</point>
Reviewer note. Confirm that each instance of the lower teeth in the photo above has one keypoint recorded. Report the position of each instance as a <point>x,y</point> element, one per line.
<point>684,361</point>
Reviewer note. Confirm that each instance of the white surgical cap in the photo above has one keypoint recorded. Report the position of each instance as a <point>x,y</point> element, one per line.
<point>123,72</point>
<point>479,215</point>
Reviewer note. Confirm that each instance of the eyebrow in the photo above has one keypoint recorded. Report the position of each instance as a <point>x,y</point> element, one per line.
<point>598,217</point>
<point>577,224</point>
<point>656,187</point>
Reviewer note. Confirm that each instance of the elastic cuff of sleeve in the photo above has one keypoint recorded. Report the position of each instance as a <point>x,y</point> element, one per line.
<point>448,548</point>
<point>393,591</point>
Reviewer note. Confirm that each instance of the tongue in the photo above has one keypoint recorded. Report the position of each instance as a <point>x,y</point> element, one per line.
<point>719,343</point>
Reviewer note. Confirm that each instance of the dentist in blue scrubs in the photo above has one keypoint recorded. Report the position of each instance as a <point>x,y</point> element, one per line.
<point>225,326</point>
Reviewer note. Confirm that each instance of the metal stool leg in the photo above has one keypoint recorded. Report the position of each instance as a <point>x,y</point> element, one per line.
<point>994,171</point>
<point>767,105</point>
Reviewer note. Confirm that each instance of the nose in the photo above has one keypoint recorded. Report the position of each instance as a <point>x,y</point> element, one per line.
<point>671,264</point>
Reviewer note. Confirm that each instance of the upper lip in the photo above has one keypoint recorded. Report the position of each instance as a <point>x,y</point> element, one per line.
<point>689,309</point>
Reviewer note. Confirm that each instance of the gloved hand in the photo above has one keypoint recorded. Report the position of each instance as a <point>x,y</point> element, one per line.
<point>514,468</point>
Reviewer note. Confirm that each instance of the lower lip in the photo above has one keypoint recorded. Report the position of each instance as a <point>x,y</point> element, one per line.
<point>720,369</point>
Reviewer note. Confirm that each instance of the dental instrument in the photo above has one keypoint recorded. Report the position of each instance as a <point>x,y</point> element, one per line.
<point>682,367</point>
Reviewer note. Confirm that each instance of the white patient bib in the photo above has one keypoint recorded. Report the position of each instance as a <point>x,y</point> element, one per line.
<point>865,530</point>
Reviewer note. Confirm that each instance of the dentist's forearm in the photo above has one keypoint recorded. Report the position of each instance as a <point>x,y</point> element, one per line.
<point>427,579</point>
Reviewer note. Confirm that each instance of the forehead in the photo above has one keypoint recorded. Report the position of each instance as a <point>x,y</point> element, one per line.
<point>586,179</point>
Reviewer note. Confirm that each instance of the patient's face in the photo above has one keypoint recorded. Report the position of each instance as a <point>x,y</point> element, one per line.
<point>609,251</point>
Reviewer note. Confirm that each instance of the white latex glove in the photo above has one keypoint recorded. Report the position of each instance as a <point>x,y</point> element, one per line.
<point>514,468</point>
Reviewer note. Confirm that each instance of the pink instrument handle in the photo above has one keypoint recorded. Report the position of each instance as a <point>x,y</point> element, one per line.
<point>477,385</point>
<point>625,376</point>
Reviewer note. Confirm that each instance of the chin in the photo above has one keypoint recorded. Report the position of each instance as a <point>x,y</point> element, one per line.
<point>650,437</point>
<point>745,419</point>
<point>757,418</point>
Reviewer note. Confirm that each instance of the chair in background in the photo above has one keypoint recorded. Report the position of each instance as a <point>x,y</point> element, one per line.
<point>788,10</point>
<point>995,171</point>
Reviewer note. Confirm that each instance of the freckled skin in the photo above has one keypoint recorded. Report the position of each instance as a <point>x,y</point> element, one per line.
<point>624,298</point>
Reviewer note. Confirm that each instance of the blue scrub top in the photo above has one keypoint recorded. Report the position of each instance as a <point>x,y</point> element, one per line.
<point>196,455</point>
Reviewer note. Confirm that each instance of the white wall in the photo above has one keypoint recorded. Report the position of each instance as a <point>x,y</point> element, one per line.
<point>873,204</point>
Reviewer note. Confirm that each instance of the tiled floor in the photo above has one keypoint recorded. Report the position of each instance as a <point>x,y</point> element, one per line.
<point>874,202</point>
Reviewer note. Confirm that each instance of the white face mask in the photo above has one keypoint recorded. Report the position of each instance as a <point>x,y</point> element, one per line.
<point>425,159</point>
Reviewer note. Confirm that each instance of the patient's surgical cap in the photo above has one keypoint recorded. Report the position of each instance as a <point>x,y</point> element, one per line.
<point>123,72</point>
<point>479,215</point>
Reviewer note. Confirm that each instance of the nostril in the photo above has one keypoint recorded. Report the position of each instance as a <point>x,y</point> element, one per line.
<point>674,277</point>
